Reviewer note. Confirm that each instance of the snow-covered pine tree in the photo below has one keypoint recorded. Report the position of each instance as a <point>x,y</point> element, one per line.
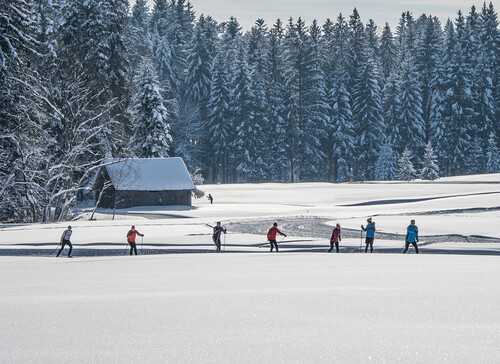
<point>372,40</point>
<point>218,127</point>
<point>437,124</point>
<point>430,169</point>
<point>259,73</point>
<point>117,68</point>
<point>139,35</point>
<point>476,162</point>
<point>385,169</point>
<point>406,171</point>
<point>149,115</point>
<point>407,129</point>
<point>387,52</point>
<point>367,110</point>
<point>313,120</point>
<point>247,142</point>
<point>343,137</point>
<point>457,107</point>
<point>427,60</point>
<point>193,141</point>
<point>278,170</point>
<point>492,155</point>
<point>489,65</point>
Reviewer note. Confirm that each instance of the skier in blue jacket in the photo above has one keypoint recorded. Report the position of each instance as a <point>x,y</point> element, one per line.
<point>370,234</point>
<point>411,236</point>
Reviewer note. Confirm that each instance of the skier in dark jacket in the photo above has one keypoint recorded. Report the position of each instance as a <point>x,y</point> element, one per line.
<point>66,235</point>
<point>218,230</point>
<point>210,198</point>
<point>370,234</point>
<point>131,239</point>
<point>336,237</point>
<point>271,236</point>
<point>411,236</point>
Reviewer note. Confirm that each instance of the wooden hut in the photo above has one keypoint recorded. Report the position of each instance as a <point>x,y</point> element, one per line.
<point>143,182</point>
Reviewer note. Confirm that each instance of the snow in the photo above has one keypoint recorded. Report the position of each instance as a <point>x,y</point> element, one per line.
<point>247,305</point>
<point>150,174</point>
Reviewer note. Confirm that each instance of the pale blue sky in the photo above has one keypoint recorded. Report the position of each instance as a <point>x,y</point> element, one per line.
<point>379,10</point>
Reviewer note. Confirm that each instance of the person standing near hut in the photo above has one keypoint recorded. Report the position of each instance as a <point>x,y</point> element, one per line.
<point>370,234</point>
<point>271,236</point>
<point>336,237</point>
<point>131,235</point>
<point>218,230</point>
<point>66,235</point>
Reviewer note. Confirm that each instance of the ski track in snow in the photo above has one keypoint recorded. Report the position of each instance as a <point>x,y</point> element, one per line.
<point>319,227</point>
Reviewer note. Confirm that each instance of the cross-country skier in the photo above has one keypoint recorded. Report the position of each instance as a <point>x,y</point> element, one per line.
<point>66,235</point>
<point>131,239</point>
<point>335,238</point>
<point>210,198</point>
<point>218,230</point>
<point>370,234</point>
<point>271,236</point>
<point>411,236</point>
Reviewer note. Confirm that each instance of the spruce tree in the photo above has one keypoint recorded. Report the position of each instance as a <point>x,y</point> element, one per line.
<point>430,169</point>
<point>218,127</point>
<point>386,164</point>
<point>406,171</point>
<point>343,137</point>
<point>387,52</point>
<point>427,61</point>
<point>476,162</point>
<point>149,115</point>
<point>277,167</point>
<point>407,128</point>
<point>247,142</point>
<point>492,155</point>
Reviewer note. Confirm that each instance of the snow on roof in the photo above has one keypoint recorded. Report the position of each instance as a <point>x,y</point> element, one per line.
<point>149,174</point>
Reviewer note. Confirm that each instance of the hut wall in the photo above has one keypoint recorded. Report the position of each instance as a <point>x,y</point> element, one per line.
<point>152,198</point>
<point>108,197</point>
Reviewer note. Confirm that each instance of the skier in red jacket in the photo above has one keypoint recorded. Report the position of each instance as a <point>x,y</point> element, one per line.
<point>336,237</point>
<point>271,236</point>
<point>131,239</point>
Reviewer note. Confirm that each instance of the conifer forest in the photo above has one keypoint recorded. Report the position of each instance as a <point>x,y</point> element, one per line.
<point>86,80</point>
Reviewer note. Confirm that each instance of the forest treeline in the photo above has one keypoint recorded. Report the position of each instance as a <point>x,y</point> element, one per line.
<point>85,80</point>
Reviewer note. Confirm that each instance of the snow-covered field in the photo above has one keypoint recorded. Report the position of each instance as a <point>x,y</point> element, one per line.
<point>247,305</point>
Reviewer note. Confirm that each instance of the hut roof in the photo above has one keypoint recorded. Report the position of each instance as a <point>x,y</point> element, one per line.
<point>149,174</point>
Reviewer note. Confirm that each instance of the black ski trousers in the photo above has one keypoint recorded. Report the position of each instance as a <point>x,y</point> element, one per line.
<point>369,242</point>
<point>64,243</point>
<point>217,243</point>
<point>273,242</point>
<point>336,246</point>
<point>407,245</point>
<point>132,247</point>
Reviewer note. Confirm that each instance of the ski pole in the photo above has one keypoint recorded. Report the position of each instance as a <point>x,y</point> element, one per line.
<point>142,243</point>
<point>283,238</point>
<point>403,249</point>
<point>361,242</point>
<point>53,251</point>
<point>224,242</point>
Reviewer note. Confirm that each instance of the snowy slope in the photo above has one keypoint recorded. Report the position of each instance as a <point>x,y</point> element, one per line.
<point>247,305</point>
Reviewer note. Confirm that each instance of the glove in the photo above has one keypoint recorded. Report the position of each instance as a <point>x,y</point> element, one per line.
<point>284,236</point>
